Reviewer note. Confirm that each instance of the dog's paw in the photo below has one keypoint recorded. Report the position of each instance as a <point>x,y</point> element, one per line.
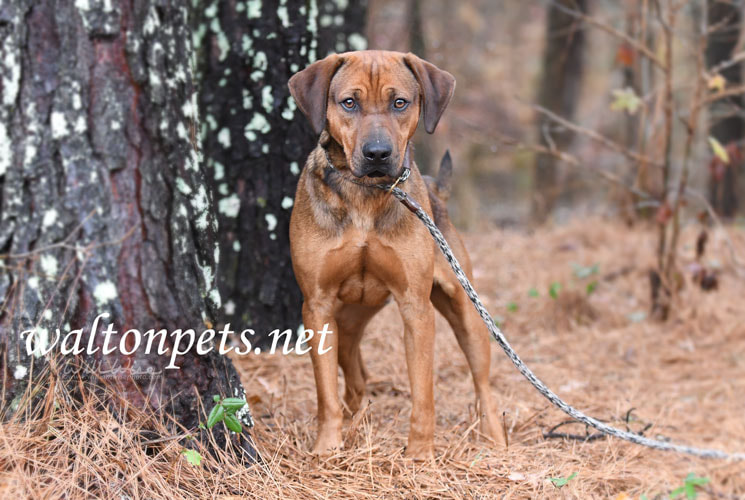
<point>494,432</point>
<point>420,451</point>
<point>327,445</point>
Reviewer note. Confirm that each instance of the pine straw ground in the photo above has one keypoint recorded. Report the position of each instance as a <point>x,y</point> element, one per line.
<point>684,378</point>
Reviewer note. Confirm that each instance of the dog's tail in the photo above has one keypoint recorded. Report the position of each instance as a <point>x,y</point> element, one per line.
<point>445,176</point>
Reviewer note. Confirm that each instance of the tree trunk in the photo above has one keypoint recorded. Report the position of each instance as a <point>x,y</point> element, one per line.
<point>726,126</point>
<point>104,207</point>
<point>256,142</point>
<point>559,90</point>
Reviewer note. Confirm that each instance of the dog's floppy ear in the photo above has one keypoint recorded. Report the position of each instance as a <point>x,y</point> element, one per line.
<point>437,87</point>
<point>310,88</point>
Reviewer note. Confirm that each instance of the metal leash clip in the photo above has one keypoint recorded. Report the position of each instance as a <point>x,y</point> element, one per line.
<point>402,178</point>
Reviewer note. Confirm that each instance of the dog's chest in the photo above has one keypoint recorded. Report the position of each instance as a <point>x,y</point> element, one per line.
<point>366,267</point>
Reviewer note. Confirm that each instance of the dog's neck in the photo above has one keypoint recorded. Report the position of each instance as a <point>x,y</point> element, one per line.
<point>360,202</point>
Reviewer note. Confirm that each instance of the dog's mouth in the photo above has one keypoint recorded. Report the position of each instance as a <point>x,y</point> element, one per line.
<point>375,174</point>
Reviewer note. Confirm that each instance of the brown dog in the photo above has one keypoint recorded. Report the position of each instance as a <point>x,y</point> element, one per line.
<point>354,245</point>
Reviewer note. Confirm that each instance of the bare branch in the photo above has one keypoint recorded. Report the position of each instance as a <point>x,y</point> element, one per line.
<point>631,155</point>
<point>602,25</point>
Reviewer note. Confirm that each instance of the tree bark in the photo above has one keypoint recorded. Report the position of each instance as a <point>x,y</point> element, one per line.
<point>256,141</point>
<point>726,126</point>
<point>560,86</point>
<point>104,205</point>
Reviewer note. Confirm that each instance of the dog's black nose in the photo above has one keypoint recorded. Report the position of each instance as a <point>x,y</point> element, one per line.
<point>377,151</point>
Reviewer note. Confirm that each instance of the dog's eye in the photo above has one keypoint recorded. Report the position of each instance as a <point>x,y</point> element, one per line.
<point>400,104</point>
<point>348,104</point>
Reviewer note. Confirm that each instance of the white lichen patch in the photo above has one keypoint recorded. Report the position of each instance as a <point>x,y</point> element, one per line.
<point>294,168</point>
<point>207,275</point>
<point>222,189</point>
<point>247,99</point>
<point>223,137</point>
<point>219,171</point>
<point>258,123</point>
<point>289,112</point>
<point>267,101</point>
<point>20,372</point>
<point>253,9</point>
<point>211,122</point>
<point>104,293</point>
<point>247,44</point>
<point>236,246</point>
<point>151,22</point>
<point>215,298</point>
<point>282,13</point>
<point>223,44</point>
<point>59,125</point>
<point>271,221</point>
<point>81,125</point>
<point>287,202</point>
<point>49,266</point>
<point>11,76</point>
<point>313,30</point>
<point>47,314</point>
<point>33,282</point>
<point>50,217</point>
<point>6,152</point>
<point>357,42</point>
<point>229,206</point>
<point>211,11</point>
<point>182,186</point>
<point>200,201</point>
<point>230,307</point>
<point>190,108</point>
<point>260,63</point>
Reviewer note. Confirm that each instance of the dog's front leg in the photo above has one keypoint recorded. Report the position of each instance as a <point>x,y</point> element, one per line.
<point>316,313</point>
<point>418,316</point>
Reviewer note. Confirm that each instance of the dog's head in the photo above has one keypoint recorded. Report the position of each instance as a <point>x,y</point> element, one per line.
<point>370,102</point>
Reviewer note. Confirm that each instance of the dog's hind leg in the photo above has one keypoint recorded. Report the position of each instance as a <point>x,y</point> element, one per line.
<point>351,321</point>
<point>473,338</point>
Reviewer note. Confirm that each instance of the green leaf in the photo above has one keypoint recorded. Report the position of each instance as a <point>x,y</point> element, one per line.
<point>591,286</point>
<point>554,290</point>
<point>697,481</point>
<point>512,306</point>
<point>532,292</point>
<point>583,272</point>
<point>216,415</point>
<point>625,100</point>
<point>560,482</point>
<point>233,423</point>
<point>193,457</point>
<point>691,491</point>
<point>719,150</point>
<point>677,491</point>
<point>216,398</point>
<point>643,497</point>
<point>232,405</point>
